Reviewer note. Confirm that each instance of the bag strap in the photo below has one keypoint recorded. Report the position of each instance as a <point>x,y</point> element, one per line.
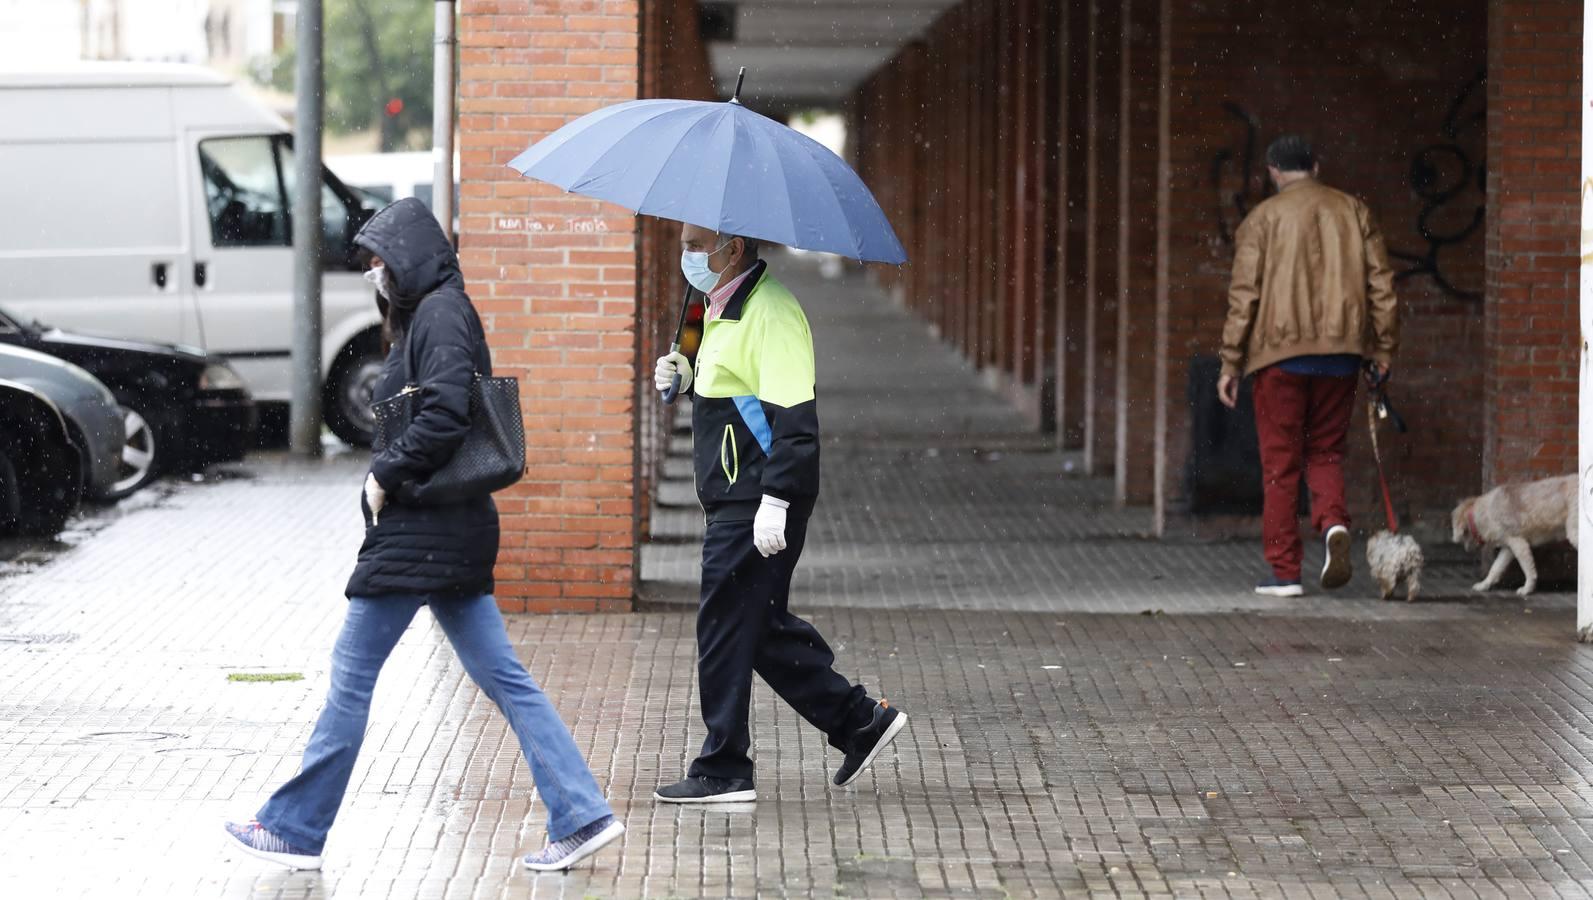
<point>409,345</point>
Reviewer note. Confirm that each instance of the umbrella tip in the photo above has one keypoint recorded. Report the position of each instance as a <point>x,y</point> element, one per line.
<point>741,77</point>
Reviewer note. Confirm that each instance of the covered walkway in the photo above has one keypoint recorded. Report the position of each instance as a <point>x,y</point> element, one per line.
<point>1067,178</point>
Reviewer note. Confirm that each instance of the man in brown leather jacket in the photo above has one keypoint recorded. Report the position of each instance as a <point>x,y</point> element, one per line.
<point>1311,300</point>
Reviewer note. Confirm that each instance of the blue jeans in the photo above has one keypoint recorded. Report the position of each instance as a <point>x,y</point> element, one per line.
<point>301,811</point>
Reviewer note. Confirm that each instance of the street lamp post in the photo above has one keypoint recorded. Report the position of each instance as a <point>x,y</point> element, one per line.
<point>442,117</point>
<point>305,431</point>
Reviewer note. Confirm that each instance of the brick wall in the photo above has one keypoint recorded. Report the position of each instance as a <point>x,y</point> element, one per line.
<point>1389,93</point>
<point>554,277</point>
<point>1534,170</point>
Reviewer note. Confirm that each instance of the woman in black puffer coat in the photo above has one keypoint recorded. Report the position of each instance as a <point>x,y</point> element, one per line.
<point>418,554</point>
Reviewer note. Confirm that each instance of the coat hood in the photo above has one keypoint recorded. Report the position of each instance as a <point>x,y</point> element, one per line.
<point>417,253</point>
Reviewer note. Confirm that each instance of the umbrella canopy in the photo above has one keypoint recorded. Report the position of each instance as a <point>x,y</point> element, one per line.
<point>721,166</point>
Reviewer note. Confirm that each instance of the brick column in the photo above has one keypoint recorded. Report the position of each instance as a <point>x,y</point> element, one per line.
<point>1071,374</point>
<point>1141,318</point>
<point>1101,238</point>
<point>1534,201</point>
<point>554,277</point>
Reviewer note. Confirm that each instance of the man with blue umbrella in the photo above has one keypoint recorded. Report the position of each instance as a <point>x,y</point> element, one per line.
<point>735,178</point>
<point>755,436</point>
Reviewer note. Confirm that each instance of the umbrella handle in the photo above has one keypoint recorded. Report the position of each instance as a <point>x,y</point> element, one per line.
<point>673,390</point>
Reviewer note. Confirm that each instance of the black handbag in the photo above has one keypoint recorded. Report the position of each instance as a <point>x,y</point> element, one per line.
<point>492,456</point>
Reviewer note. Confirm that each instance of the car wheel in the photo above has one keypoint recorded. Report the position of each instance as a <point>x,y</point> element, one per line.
<point>141,454</point>
<point>347,400</point>
<point>48,497</point>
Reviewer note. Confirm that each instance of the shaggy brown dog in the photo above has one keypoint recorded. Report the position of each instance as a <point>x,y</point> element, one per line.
<point>1515,518</point>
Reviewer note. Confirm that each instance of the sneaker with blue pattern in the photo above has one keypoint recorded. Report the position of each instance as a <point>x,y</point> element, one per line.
<point>252,838</point>
<point>562,854</point>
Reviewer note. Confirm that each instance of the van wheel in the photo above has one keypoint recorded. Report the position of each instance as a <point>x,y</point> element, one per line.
<point>347,400</point>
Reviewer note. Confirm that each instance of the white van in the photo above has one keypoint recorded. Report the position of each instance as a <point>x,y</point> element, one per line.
<point>154,201</point>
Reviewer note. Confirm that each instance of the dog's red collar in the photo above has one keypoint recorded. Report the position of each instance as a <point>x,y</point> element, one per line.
<point>1471,524</point>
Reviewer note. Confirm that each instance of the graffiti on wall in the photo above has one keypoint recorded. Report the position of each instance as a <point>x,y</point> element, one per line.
<point>1233,171</point>
<point>1452,186</point>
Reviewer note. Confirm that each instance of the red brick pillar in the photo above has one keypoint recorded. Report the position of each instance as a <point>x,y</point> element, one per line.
<point>1534,202</point>
<point>554,277</point>
<point>1141,281</point>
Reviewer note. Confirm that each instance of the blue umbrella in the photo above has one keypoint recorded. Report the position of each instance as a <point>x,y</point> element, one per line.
<point>721,166</point>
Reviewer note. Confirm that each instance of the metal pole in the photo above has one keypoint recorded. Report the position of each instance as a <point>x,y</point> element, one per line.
<point>442,117</point>
<point>306,411</point>
<point>1584,567</point>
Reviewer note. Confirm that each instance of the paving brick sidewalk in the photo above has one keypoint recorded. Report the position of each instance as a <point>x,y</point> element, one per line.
<point>1062,742</point>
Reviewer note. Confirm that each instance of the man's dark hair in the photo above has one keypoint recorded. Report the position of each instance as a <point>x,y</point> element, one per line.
<point>1291,153</point>
<point>752,246</point>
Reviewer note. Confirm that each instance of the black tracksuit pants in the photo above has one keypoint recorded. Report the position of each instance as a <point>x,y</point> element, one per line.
<point>743,626</point>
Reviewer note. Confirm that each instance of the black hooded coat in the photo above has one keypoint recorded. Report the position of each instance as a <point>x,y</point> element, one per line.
<point>415,549</point>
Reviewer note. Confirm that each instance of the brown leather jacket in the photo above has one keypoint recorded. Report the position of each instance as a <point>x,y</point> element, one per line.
<point>1310,276</point>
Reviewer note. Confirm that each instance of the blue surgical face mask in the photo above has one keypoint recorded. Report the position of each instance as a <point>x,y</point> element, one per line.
<point>695,267</point>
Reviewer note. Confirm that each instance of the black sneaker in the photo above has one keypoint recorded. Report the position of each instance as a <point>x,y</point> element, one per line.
<point>868,741</point>
<point>707,789</point>
<point>1338,568</point>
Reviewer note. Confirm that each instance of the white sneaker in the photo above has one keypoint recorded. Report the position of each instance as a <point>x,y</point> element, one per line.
<point>1338,568</point>
<point>1272,587</point>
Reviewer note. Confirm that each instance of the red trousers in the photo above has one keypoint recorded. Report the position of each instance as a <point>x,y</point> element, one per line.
<point>1302,423</point>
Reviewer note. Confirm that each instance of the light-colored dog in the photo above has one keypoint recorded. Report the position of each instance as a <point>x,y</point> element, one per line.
<point>1515,518</point>
<point>1394,558</point>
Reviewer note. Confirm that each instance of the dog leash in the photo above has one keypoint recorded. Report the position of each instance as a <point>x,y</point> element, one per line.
<point>1388,502</point>
<point>1378,407</point>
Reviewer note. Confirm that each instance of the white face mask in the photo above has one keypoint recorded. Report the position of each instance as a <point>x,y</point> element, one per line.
<point>377,276</point>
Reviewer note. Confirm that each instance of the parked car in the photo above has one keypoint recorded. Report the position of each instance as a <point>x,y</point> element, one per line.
<point>157,206</point>
<point>41,467</point>
<point>181,409</point>
<point>88,407</point>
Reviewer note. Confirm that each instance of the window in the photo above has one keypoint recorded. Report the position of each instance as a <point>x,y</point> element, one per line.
<point>249,185</point>
<point>243,192</point>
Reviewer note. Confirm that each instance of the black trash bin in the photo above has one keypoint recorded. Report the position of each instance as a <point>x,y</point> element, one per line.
<point>1223,473</point>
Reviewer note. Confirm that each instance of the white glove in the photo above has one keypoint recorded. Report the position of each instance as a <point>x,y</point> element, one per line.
<point>664,375</point>
<point>768,526</point>
<point>375,498</point>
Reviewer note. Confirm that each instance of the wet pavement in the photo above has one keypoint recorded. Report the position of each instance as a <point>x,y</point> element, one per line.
<point>1093,713</point>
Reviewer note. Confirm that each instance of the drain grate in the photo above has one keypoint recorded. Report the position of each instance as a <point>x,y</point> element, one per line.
<point>65,637</point>
<point>128,737</point>
<point>203,752</point>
